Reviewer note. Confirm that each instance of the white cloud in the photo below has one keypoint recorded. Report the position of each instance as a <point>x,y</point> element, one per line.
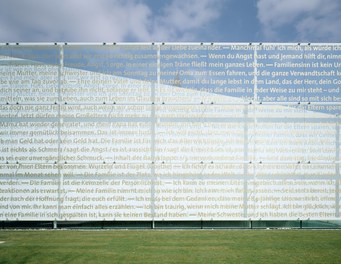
<point>184,18</point>
<point>103,20</point>
<point>312,20</point>
<point>70,20</point>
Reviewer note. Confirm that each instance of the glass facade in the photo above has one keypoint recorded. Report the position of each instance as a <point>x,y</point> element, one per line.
<point>239,134</point>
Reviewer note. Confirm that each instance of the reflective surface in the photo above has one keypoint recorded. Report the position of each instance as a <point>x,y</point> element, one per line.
<point>174,131</point>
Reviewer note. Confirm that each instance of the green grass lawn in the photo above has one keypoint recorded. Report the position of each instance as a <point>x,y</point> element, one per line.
<point>171,246</point>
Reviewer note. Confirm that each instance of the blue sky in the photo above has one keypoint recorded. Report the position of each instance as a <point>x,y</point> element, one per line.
<point>170,21</point>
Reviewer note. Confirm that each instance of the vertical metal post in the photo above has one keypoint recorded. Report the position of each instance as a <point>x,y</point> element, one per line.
<point>60,183</point>
<point>245,160</point>
<point>255,98</point>
<point>255,76</point>
<point>152,135</point>
<point>337,169</point>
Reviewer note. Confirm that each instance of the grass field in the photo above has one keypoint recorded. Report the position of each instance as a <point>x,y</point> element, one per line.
<point>171,246</point>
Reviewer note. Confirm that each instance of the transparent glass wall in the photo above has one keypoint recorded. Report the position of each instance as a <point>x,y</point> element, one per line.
<point>184,132</point>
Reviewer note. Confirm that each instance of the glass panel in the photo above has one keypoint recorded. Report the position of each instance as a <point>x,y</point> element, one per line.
<point>29,74</point>
<point>121,74</point>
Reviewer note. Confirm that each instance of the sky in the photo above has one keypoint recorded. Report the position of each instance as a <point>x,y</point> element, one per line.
<point>170,21</point>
